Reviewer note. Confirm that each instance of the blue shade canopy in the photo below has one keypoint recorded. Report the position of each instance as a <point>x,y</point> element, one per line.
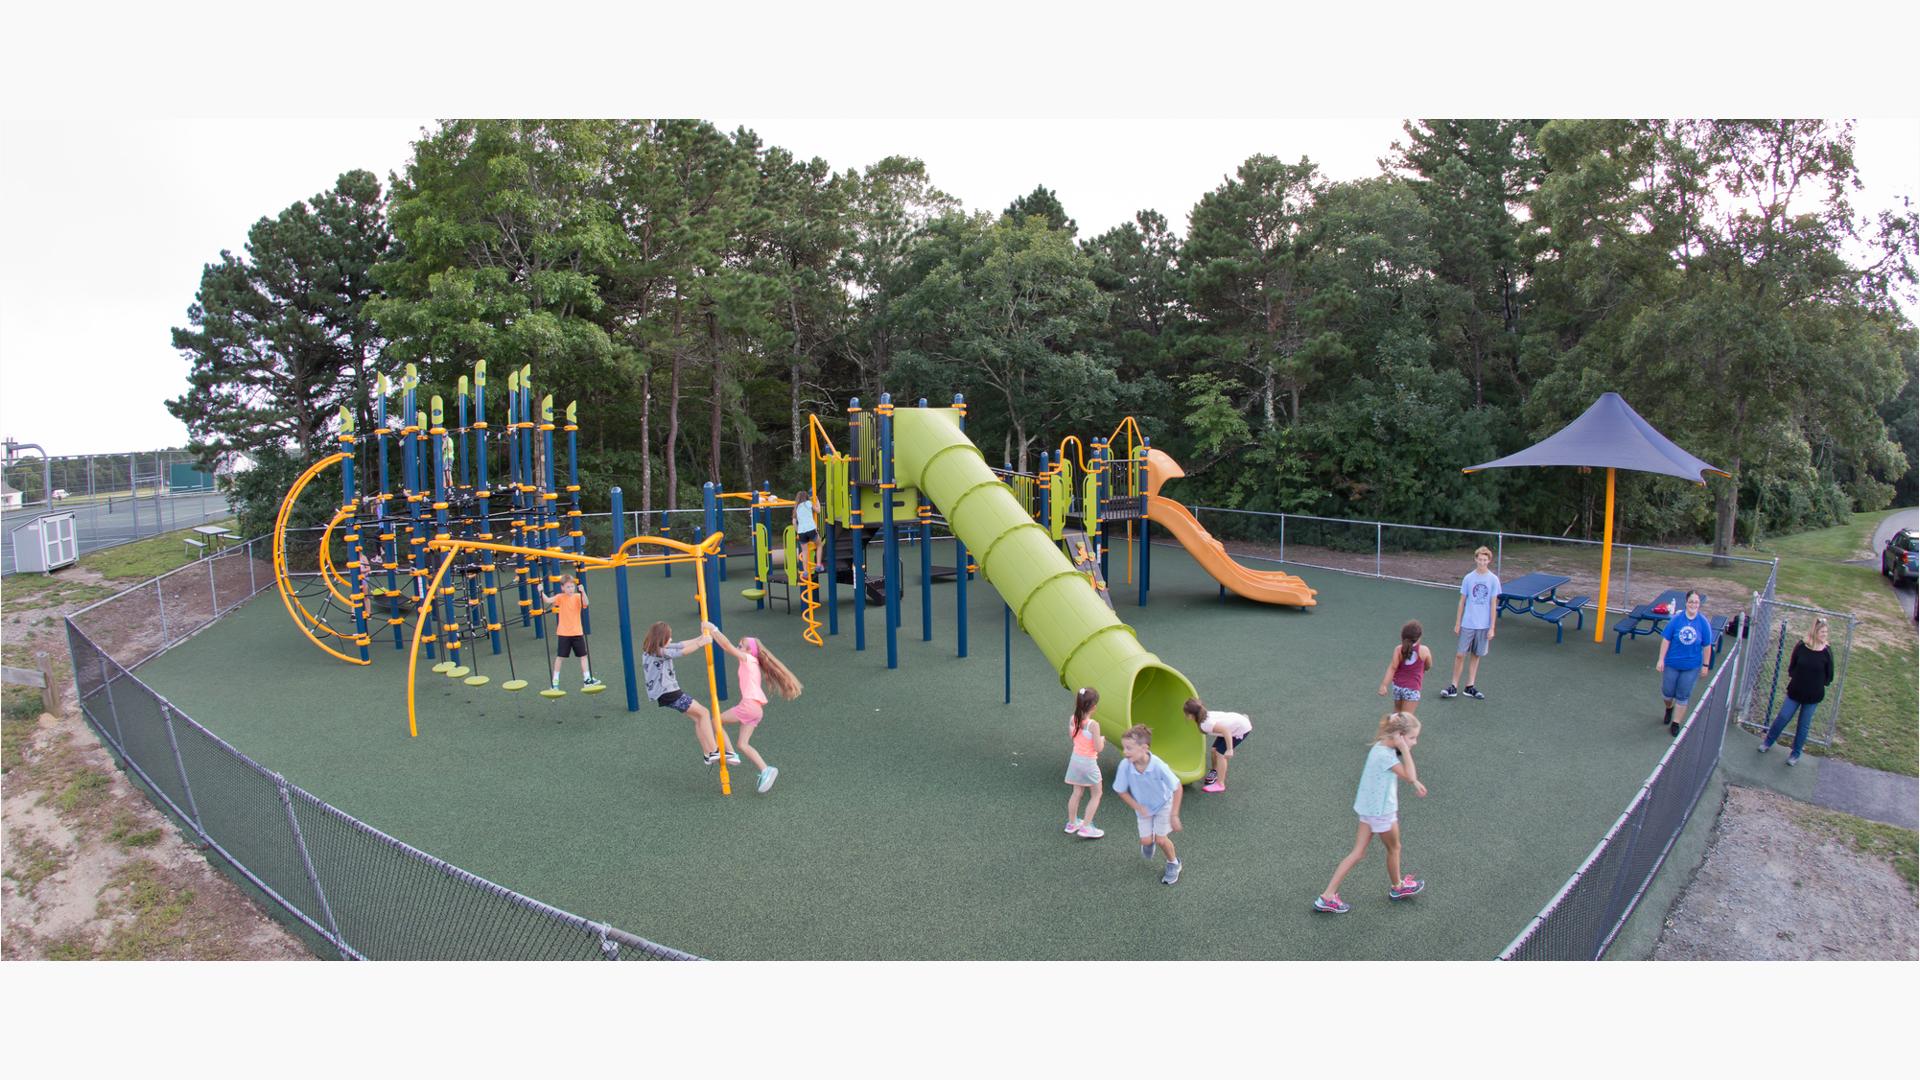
<point>1610,435</point>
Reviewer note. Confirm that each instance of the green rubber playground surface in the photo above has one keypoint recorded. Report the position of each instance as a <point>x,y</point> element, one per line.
<point>918,817</point>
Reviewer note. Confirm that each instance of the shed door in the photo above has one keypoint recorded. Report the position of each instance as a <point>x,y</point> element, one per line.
<point>63,546</point>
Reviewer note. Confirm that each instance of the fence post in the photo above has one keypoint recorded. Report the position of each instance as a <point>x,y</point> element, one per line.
<point>49,689</point>
<point>306,862</point>
<point>213,590</point>
<point>253,586</point>
<point>193,809</point>
<point>1626,582</point>
<point>1500,555</point>
<point>160,594</point>
<point>106,683</point>
<point>1376,548</point>
<point>1283,538</point>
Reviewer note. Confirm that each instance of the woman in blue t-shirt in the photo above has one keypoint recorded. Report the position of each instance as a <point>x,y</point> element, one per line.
<point>1686,645</point>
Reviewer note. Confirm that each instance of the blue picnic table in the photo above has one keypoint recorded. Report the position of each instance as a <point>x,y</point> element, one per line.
<point>1538,595</point>
<point>1651,618</point>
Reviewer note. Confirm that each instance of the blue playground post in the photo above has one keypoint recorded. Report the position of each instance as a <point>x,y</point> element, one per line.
<point>1146,546</point>
<point>514,529</point>
<point>620,596</point>
<point>960,572</point>
<point>1042,495</point>
<point>488,563</point>
<point>830,549</point>
<point>411,436</point>
<point>1007,644</point>
<point>890,543</point>
<point>711,566</point>
<point>576,532</point>
<point>859,560</point>
<point>389,532</point>
<point>762,514</point>
<point>361,579</point>
<point>926,565</point>
<point>549,502</point>
<point>665,521</point>
<point>466,443</point>
<point>440,448</point>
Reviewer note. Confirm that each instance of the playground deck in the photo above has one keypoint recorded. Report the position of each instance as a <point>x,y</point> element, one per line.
<point>918,817</point>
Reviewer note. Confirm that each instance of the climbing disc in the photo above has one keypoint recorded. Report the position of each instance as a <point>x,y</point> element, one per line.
<point>594,689</point>
<point>457,672</point>
<point>553,691</point>
<point>514,684</point>
<point>476,680</point>
<point>441,667</point>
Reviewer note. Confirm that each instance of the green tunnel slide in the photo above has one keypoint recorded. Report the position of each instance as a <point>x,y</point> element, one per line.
<point>1079,634</point>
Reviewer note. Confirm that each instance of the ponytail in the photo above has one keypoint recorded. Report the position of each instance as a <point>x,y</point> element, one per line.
<point>1083,703</point>
<point>1410,635</point>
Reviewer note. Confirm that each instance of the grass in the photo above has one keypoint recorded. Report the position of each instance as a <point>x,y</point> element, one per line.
<point>21,710</point>
<point>1900,847</point>
<point>157,911</point>
<point>51,590</point>
<point>1877,726</point>
<point>84,792</point>
<point>127,833</point>
<point>35,861</point>
<point>143,559</point>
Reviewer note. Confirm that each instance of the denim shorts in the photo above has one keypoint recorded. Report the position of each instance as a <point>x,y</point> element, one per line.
<point>1677,685</point>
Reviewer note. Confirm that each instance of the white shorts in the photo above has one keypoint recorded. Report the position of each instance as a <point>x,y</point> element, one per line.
<point>1158,823</point>
<point>1381,824</point>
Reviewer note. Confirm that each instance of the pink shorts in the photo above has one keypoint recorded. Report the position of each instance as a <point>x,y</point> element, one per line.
<point>748,712</point>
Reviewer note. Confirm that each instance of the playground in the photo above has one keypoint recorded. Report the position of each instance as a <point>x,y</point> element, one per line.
<point>917,816</point>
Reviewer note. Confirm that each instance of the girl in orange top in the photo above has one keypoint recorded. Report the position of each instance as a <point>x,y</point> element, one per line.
<point>1083,768</point>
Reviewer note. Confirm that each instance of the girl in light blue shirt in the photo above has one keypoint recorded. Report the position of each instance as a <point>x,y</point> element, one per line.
<point>1377,802</point>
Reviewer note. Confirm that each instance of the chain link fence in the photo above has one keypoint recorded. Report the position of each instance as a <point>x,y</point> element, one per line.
<point>114,498</point>
<point>1431,555</point>
<point>1773,626</point>
<point>1584,917</point>
<point>366,894</point>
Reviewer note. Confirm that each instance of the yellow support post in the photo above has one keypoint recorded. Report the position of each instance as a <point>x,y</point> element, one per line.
<point>1606,568</point>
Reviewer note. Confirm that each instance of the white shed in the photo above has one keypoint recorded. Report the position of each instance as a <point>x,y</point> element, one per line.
<point>45,544</point>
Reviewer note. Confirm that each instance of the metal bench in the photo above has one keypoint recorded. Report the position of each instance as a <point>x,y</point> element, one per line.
<point>1563,608</point>
<point>195,548</point>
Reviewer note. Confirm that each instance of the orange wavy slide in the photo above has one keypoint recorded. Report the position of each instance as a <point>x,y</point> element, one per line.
<point>1263,586</point>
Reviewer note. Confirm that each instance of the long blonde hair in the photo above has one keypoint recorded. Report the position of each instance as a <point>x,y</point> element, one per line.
<point>777,673</point>
<point>1397,723</point>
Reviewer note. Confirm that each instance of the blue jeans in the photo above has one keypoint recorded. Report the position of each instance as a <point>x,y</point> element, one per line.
<point>1800,730</point>
<point>1677,685</point>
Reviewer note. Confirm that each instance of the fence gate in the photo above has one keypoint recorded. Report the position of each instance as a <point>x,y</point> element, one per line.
<point>1772,629</point>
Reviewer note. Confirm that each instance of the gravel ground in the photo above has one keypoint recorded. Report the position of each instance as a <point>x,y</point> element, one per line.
<point>1772,889</point>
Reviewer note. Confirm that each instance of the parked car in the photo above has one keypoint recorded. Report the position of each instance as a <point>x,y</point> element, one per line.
<point>59,493</point>
<point>1900,559</point>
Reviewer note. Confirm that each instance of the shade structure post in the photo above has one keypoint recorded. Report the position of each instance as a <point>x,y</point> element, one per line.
<point>1606,567</point>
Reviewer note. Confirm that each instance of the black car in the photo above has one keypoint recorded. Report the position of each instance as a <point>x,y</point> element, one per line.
<point>1900,560</point>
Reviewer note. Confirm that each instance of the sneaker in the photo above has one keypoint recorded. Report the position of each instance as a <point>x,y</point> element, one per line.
<point>1088,832</point>
<point>1666,717</point>
<point>712,758</point>
<point>1212,775</point>
<point>1765,746</point>
<point>1407,887</point>
<point>556,684</point>
<point>1793,759</point>
<point>1146,850</point>
<point>1214,787</point>
<point>1474,693</point>
<point>1173,873</point>
<point>733,758</point>
<point>1450,691</point>
<point>1673,729</point>
<point>1333,906</point>
<point>1072,826</point>
<point>588,681</point>
<point>767,777</point>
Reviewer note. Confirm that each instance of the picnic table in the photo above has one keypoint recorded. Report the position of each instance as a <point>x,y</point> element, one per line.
<point>1651,618</point>
<point>1538,595</point>
<point>212,535</point>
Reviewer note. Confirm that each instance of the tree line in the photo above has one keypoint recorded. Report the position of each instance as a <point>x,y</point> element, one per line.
<point>1333,348</point>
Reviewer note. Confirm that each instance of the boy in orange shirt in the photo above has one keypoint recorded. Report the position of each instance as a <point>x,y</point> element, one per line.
<point>572,640</point>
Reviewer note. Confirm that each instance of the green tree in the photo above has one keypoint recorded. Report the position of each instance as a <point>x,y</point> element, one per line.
<point>280,338</point>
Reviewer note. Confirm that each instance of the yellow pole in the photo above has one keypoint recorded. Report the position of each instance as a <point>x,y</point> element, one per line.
<point>413,654</point>
<point>713,686</point>
<point>1606,568</point>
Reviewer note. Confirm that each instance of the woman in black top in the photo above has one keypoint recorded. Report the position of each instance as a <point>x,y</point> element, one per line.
<point>1809,671</point>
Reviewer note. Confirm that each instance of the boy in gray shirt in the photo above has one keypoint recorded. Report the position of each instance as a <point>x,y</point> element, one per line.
<point>1473,623</point>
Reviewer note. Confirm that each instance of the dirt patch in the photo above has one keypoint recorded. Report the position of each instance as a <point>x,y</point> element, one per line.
<point>90,869</point>
<point>1776,886</point>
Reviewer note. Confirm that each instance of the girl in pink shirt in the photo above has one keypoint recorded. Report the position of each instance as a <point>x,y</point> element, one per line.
<point>1083,768</point>
<point>757,663</point>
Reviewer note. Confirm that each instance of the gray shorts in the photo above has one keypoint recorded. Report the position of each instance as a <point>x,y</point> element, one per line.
<point>1475,640</point>
<point>1084,771</point>
<point>1158,823</point>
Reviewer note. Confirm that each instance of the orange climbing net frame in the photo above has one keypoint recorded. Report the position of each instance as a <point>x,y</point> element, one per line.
<point>678,552</point>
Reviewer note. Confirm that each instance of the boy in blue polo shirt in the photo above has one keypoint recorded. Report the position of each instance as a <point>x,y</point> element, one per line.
<point>1149,786</point>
